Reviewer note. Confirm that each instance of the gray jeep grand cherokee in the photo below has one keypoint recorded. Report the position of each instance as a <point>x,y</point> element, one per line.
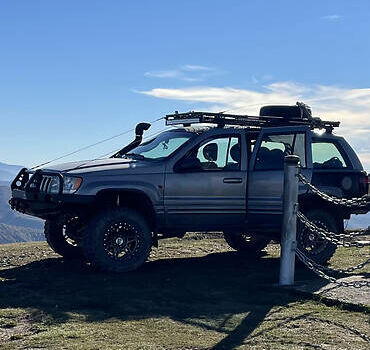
<point>227,177</point>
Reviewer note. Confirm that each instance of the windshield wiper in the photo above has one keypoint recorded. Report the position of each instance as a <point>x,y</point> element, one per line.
<point>135,155</point>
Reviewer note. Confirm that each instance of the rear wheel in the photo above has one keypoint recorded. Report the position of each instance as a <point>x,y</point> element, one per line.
<point>310,243</point>
<point>118,240</point>
<point>65,239</point>
<point>245,243</point>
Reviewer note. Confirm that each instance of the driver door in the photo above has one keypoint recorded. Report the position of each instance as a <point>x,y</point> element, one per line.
<point>211,195</point>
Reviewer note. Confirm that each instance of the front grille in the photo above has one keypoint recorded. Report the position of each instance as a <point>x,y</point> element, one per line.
<point>45,183</point>
<point>38,181</point>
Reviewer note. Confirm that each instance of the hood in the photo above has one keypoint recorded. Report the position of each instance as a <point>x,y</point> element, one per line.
<point>97,165</point>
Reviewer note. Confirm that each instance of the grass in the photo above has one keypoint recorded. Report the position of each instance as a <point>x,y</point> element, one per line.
<point>192,294</point>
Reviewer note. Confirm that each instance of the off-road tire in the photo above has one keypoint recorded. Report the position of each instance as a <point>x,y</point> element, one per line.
<point>100,227</point>
<point>246,244</point>
<point>323,219</point>
<point>58,243</point>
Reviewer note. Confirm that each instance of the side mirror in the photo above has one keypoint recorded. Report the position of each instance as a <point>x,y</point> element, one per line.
<point>188,164</point>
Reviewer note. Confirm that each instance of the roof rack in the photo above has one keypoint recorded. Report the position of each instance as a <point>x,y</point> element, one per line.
<point>222,119</point>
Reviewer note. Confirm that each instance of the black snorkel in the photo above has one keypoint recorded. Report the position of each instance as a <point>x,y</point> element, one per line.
<point>139,131</point>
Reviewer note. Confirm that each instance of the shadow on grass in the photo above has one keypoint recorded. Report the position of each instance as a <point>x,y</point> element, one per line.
<point>204,291</point>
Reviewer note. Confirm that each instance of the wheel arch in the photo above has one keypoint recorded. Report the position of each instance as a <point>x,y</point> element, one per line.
<point>312,202</point>
<point>130,198</point>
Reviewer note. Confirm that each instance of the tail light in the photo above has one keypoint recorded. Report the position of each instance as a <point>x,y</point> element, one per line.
<point>364,183</point>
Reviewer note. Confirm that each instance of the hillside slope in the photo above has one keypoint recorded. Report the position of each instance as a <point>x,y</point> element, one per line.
<point>192,294</point>
<point>11,217</point>
<point>16,227</point>
<point>13,234</point>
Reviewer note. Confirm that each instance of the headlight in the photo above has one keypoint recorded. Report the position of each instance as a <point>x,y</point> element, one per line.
<point>71,184</point>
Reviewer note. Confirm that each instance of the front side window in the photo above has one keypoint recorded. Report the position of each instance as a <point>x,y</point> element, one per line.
<point>326,155</point>
<point>222,153</point>
<point>274,148</point>
<point>161,146</point>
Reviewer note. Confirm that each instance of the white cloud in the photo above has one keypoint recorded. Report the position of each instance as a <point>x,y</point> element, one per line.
<point>163,74</point>
<point>267,77</point>
<point>188,72</point>
<point>333,17</point>
<point>350,106</point>
<point>194,67</point>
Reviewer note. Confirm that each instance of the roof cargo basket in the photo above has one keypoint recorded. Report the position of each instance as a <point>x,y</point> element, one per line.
<point>286,112</point>
<point>270,116</point>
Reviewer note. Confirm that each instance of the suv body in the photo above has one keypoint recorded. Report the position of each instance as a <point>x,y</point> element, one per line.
<point>200,179</point>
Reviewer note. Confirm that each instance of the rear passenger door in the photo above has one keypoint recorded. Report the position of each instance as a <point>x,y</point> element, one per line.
<point>266,172</point>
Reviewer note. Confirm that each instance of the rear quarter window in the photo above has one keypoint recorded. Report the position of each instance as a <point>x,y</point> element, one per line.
<point>327,155</point>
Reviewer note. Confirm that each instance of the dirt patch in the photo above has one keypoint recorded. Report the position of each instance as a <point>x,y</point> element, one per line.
<point>15,325</point>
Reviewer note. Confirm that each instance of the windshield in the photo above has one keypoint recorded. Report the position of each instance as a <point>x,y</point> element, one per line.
<point>161,146</point>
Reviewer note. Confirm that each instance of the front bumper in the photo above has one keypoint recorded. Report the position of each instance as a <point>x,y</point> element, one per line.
<point>46,206</point>
<point>28,198</point>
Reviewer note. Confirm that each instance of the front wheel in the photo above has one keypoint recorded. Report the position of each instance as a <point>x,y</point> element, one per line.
<point>310,243</point>
<point>117,240</point>
<point>65,239</point>
<point>245,243</point>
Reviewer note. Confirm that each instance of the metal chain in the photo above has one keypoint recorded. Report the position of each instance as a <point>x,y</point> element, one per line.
<point>352,203</point>
<point>354,331</point>
<point>354,233</point>
<point>316,268</point>
<point>336,238</point>
<point>349,269</point>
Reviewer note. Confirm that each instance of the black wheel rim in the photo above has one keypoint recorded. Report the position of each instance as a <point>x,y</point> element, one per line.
<point>249,238</point>
<point>312,243</point>
<point>121,240</point>
<point>72,231</point>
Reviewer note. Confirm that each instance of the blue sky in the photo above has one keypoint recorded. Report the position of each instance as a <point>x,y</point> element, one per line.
<point>74,72</point>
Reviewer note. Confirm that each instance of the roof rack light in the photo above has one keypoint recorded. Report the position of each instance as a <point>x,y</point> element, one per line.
<point>186,121</point>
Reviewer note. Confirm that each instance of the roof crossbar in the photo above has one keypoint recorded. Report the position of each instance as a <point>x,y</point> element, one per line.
<point>222,119</point>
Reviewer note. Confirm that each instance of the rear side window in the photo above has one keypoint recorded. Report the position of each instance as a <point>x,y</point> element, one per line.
<point>274,148</point>
<point>326,155</point>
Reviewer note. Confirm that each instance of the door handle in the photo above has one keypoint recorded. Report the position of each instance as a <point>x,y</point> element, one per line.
<point>233,180</point>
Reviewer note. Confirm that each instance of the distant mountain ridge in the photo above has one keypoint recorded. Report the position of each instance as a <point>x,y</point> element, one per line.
<point>13,234</point>
<point>15,227</point>
<point>8,172</point>
<point>11,217</point>
<point>359,221</point>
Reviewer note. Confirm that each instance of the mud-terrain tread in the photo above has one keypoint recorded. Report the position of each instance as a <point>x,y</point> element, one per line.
<point>94,253</point>
<point>331,223</point>
<point>54,237</point>
<point>238,243</point>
